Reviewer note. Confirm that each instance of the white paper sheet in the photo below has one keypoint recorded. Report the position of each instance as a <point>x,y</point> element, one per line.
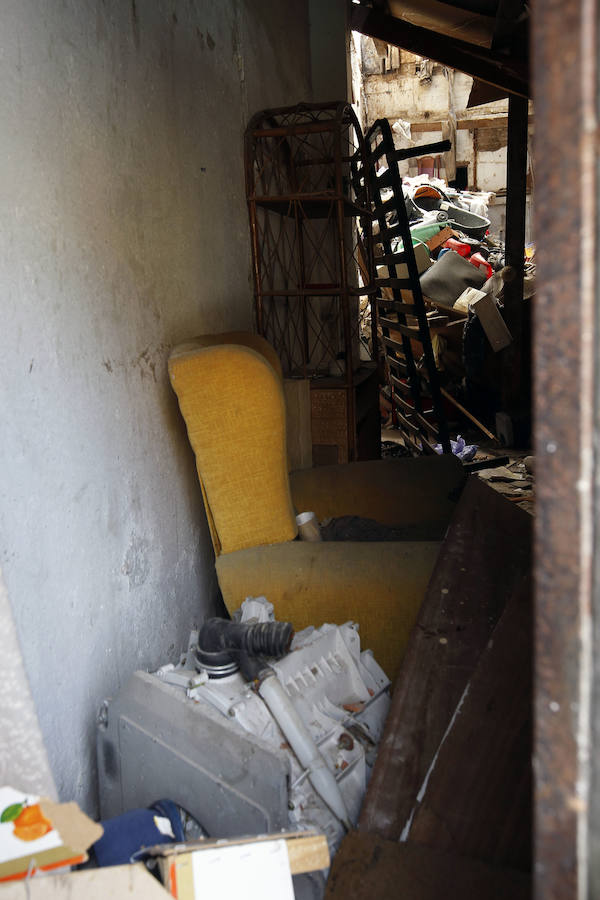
<point>254,871</point>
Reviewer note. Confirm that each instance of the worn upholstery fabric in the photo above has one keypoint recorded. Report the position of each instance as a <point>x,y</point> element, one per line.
<point>232,401</point>
<point>244,338</point>
<point>247,339</point>
<point>379,585</point>
<point>417,491</point>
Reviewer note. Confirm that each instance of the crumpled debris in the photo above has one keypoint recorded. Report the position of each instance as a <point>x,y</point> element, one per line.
<point>426,71</point>
<point>464,451</point>
<point>358,528</point>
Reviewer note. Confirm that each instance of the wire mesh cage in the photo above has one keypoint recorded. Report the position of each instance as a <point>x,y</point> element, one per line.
<point>311,234</point>
<point>310,221</point>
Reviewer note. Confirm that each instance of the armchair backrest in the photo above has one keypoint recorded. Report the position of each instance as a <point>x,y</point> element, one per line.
<point>245,338</point>
<point>232,401</point>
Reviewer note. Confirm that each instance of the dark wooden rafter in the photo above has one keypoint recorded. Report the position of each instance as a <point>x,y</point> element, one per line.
<point>508,74</point>
<point>510,27</point>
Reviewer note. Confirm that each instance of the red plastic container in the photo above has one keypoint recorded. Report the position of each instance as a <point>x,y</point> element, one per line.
<point>453,244</point>
<point>479,262</point>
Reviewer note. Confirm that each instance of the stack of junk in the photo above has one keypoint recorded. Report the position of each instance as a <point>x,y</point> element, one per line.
<point>255,730</point>
<point>260,731</point>
<point>462,272</point>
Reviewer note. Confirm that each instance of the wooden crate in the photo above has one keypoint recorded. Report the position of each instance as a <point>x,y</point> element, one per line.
<point>329,423</point>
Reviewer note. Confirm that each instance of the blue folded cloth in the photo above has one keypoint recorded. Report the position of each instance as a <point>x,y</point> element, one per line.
<point>126,835</point>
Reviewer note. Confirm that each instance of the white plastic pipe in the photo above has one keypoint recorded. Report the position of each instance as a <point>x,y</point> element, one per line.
<point>301,742</point>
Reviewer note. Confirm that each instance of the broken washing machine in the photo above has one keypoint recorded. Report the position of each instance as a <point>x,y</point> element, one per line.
<point>247,733</point>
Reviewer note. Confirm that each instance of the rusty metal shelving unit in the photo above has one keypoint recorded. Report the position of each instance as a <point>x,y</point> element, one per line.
<point>417,406</point>
<point>307,250</point>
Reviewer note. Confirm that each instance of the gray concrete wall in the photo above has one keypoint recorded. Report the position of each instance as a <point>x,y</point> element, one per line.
<point>124,231</point>
<point>23,757</point>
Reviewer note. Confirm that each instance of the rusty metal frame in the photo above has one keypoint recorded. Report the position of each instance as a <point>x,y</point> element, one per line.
<point>567,814</point>
<point>297,163</point>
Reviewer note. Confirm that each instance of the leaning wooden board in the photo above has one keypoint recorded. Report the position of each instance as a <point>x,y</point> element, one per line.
<point>484,561</point>
<point>476,798</point>
<point>367,867</point>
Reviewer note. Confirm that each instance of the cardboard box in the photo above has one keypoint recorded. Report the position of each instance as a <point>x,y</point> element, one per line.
<point>246,859</point>
<point>435,242</point>
<point>114,882</point>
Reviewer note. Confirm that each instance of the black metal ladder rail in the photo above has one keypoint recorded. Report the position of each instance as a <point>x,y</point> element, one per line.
<point>419,433</point>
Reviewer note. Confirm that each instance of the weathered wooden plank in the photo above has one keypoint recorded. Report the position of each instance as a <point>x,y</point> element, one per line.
<point>484,559</point>
<point>400,284</point>
<point>401,385</point>
<point>411,331</point>
<point>366,867</point>
<point>406,423</point>
<point>298,423</point>
<point>476,798</point>
<point>392,344</point>
<point>407,309</point>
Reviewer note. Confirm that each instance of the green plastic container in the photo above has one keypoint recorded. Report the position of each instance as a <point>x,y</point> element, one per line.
<point>421,233</point>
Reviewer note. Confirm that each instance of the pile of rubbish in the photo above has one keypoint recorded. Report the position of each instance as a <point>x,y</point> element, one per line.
<point>262,739</point>
<point>430,200</point>
<point>256,729</point>
<point>462,272</point>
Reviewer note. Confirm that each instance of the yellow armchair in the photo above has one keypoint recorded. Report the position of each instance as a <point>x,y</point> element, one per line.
<point>232,401</point>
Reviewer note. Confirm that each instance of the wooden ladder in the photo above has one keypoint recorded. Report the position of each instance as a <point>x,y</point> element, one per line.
<point>417,405</point>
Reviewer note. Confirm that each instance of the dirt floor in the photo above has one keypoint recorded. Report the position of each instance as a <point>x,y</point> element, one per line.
<point>512,478</point>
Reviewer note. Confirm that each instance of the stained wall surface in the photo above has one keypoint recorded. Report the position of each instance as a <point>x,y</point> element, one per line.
<point>124,231</point>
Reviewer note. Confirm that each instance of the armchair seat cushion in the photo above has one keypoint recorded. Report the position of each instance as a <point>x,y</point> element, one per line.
<point>379,585</point>
<point>414,491</point>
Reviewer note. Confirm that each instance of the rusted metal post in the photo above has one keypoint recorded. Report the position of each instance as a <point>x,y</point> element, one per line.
<point>516,396</point>
<point>567,814</point>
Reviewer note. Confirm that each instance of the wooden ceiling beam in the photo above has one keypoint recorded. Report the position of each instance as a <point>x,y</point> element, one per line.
<point>509,75</point>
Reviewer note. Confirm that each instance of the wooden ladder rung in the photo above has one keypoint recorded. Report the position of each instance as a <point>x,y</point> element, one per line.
<point>406,309</point>
<point>399,284</point>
